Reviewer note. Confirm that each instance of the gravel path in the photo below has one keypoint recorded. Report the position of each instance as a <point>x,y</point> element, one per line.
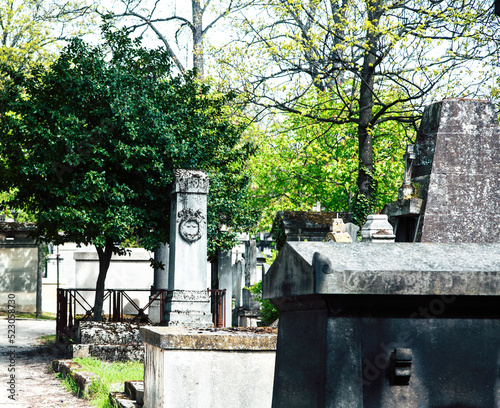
<point>35,386</point>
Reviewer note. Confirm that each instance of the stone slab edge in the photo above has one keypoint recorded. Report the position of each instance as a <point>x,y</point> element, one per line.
<point>175,338</point>
<point>84,380</point>
<point>120,400</point>
<point>135,389</point>
<point>384,269</point>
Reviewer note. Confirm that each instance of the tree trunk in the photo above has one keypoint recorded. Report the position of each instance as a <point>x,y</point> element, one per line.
<point>104,261</point>
<point>365,170</point>
<point>197,37</point>
<point>365,139</point>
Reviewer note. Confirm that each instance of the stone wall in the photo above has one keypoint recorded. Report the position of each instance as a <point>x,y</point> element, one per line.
<point>108,341</point>
<point>19,263</point>
<point>18,276</point>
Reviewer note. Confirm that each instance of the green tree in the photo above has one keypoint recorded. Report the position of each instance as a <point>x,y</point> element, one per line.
<point>30,30</point>
<point>301,162</point>
<point>23,32</point>
<point>376,60</point>
<point>91,141</point>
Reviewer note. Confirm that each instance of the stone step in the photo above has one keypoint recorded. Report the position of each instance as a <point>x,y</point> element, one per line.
<point>85,381</point>
<point>135,390</point>
<point>120,400</point>
<point>65,367</point>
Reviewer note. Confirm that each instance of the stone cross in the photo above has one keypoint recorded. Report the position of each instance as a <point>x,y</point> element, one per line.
<point>317,207</point>
<point>188,302</point>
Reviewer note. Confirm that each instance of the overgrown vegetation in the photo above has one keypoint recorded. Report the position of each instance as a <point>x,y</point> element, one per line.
<point>268,311</point>
<point>112,375</point>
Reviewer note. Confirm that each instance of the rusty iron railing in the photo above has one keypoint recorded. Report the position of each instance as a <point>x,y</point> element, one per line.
<point>218,297</point>
<point>73,306</point>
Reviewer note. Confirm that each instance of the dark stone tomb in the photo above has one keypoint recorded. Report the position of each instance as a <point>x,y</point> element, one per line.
<point>386,326</point>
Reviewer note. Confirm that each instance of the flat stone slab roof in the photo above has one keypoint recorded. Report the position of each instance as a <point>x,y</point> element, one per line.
<point>181,338</point>
<point>384,269</point>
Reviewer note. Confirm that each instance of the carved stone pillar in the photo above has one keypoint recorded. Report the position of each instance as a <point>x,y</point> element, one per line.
<point>188,302</point>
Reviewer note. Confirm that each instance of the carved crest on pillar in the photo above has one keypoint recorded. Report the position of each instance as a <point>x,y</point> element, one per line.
<point>191,224</point>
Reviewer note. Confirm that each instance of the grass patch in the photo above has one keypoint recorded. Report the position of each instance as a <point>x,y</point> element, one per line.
<point>110,374</point>
<point>26,315</point>
<point>47,340</point>
<point>68,383</point>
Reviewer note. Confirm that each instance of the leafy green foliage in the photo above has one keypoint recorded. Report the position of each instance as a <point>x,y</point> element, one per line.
<point>268,311</point>
<point>373,61</point>
<point>7,212</point>
<point>90,144</point>
<point>24,32</point>
<point>302,161</point>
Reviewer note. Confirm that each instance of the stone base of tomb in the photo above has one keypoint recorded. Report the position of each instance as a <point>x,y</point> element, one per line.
<point>188,308</point>
<point>188,367</point>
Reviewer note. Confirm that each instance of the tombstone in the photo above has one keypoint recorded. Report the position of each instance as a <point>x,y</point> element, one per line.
<point>160,281</point>
<point>403,325</point>
<point>304,225</point>
<point>249,311</point>
<point>161,255</point>
<point>265,244</point>
<point>238,285</point>
<point>225,277</point>
<point>454,176</point>
<point>188,301</point>
<point>352,230</point>
<point>209,368</point>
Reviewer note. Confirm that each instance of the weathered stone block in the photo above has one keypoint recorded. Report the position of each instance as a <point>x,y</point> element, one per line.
<point>109,352</point>
<point>210,368</point>
<point>345,309</point>
<point>107,333</point>
<point>456,168</point>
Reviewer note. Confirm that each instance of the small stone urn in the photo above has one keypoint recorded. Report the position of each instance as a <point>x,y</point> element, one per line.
<point>377,229</point>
